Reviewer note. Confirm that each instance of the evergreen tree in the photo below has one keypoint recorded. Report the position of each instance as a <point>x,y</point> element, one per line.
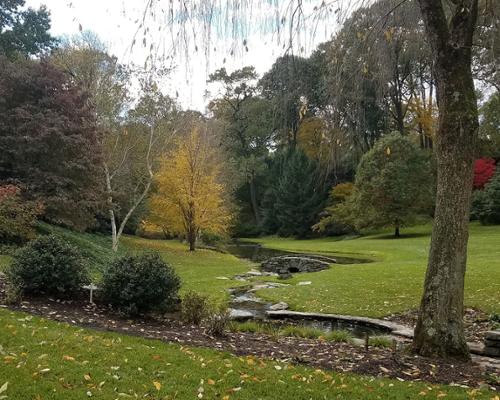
<point>293,201</point>
<point>486,204</point>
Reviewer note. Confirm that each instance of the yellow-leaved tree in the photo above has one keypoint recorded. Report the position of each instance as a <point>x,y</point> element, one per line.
<point>190,196</point>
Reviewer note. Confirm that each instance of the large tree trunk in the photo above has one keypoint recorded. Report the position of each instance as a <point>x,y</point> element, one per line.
<point>439,330</point>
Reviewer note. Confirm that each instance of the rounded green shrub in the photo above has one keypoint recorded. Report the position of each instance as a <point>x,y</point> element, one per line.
<point>47,265</point>
<point>136,284</point>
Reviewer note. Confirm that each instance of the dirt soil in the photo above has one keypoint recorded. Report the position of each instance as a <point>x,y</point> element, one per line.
<point>477,323</point>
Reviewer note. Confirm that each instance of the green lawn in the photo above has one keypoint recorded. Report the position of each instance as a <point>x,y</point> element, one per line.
<point>46,360</point>
<point>391,284</point>
<point>394,281</point>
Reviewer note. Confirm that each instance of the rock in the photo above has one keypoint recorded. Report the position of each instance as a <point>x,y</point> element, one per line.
<point>279,306</point>
<point>284,265</point>
<point>492,351</point>
<point>254,273</point>
<point>492,343</point>
<point>493,335</point>
<point>304,283</point>
<point>287,275</point>
<point>240,314</point>
<point>222,278</point>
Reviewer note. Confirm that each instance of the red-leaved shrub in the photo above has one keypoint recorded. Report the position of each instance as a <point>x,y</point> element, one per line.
<point>484,168</point>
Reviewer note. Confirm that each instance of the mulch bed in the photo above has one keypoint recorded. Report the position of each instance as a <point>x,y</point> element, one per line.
<point>339,357</point>
<point>476,322</point>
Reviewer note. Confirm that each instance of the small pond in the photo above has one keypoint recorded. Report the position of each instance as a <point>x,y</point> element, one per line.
<point>246,305</point>
<point>258,253</point>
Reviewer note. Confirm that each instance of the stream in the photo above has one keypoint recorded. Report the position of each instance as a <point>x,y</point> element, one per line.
<point>246,305</point>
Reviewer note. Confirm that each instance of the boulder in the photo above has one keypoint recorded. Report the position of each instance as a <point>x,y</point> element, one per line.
<point>279,306</point>
<point>285,265</point>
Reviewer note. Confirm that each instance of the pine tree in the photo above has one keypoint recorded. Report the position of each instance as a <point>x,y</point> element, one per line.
<point>293,201</point>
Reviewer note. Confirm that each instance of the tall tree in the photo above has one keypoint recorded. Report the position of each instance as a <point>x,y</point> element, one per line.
<point>23,30</point>
<point>293,199</point>
<point>248,128</point>
<point>190,197</point>
<point>49,140</point>
<point>394,184</point>
<point>440,329</point>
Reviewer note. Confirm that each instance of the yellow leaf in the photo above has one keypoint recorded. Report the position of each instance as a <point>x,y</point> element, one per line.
<point>157,385</point>
<point>68,358</point>
<point>87,377</point>
<point>226,397</point>
<point>211,382</point>
<point>388,151</point>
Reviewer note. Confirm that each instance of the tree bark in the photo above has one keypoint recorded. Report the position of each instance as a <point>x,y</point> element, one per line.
<point>253,199</point>
<point>440,330</point>
<point>397,234</point>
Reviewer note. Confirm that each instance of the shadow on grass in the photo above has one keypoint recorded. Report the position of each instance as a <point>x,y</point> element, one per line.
<point>402,236</point>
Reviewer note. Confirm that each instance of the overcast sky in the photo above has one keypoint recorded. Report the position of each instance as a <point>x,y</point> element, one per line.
<point>115,22</point>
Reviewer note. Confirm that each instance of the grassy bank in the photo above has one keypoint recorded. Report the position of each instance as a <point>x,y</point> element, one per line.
<point>46,360</point>
<point>393,282</point>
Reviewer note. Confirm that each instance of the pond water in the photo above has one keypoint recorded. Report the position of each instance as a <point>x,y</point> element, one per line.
<point>258,253</point>
<point>246,305</point>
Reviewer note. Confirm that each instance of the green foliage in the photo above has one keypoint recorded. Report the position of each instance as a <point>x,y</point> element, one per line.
<point>380,341</point>
<point>486,203</point>
<point>339,336</point>
<point>23,30</point>
<point>293,200</point>
<point>17,217</point>
<point>194,307</point>
<point>301,332</point>
<point>335,218</point>
<point>48,265</point>
<point>394,184</point>
<point>137,284</point>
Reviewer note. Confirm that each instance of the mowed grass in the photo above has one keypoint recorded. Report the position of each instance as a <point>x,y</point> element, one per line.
<point>46,360</point>
<point>392,283</point>
<point>201,271</point>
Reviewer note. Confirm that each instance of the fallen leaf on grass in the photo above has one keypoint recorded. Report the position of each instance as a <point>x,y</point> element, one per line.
<point>157,385</point>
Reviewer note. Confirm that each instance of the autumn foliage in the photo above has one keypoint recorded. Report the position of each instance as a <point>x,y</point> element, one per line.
<point>484,169</point>
<point>190,197</point>
<point>17,217</point>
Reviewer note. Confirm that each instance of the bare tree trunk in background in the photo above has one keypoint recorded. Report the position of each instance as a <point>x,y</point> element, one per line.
<point>440,330</point>
<point>116,232</point>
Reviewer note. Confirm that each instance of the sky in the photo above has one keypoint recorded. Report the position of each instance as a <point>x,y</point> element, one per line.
<point>117,23</point>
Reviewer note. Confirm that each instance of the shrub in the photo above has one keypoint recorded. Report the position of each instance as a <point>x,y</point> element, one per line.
<point>218,320</point>
<point>380,341</point>
<point>17,217</point>
<point>47,265</point>
<point>484,169</point>
<point>486,204</point>
<point>194,307</point>
<point>339,336</point>
<point>136,284</point>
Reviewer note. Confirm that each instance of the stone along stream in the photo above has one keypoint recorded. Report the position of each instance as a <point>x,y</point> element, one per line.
<point>246,305</point>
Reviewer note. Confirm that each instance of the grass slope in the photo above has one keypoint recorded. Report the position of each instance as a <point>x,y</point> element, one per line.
<point>394,281</point>
<point>46,360</point>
